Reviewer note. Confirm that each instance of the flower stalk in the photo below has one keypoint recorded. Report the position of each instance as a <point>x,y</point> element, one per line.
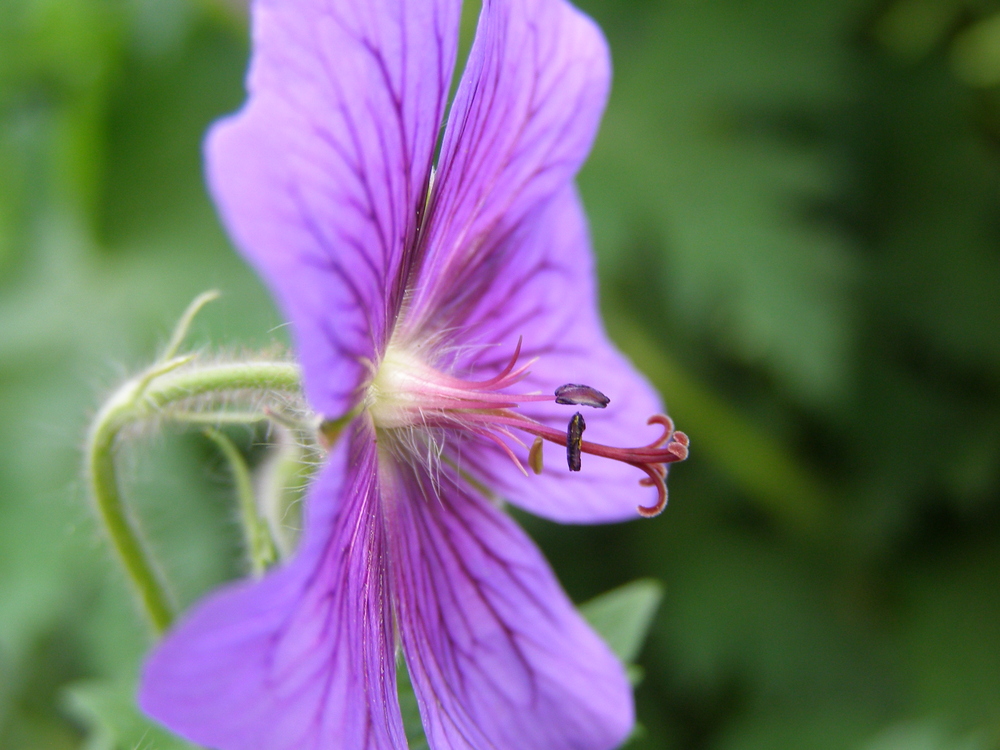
<point>259,544</point>
<point>166,391</point>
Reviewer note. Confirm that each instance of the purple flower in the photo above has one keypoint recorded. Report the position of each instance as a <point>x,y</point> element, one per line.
<point>409,292</point>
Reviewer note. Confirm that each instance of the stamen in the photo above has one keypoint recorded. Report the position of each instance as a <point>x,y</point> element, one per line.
<point>581,395</point>
<point>669,447</point>
<point>406,393</point>
<point>535,456</point>
<point>574,441</point>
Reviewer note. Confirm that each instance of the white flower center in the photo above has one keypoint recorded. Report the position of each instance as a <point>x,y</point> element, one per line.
<point>400,390</point>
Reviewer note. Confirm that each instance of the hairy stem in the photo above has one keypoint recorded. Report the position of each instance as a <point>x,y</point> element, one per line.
<point>257,536</point>
<point>151,395</point>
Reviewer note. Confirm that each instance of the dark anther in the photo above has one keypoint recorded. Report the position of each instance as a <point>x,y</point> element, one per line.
<point>581,395</point>
<point>574,441</point>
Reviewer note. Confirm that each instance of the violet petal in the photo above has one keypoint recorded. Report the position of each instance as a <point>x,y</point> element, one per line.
<point>498,656</point>
<point>547,293</point>
<point>303,659</point>
<point>523,120</point>
<point>322,176</point>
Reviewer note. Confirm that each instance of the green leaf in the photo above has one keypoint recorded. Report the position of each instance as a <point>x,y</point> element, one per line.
<point>624,615</point>
<point>924,735</point>
<point>113,722</point>
<point>413,726</point>
<point>754,459</point>
<point>711,168</point>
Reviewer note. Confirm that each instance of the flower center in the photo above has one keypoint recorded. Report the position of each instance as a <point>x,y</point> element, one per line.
<point>405,395</point>
<point>399,391</point>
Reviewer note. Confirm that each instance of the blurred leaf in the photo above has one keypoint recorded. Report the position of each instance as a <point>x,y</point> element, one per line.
<point>925,735</point>
<point>410,709</point>
<point>723,153</point>
<point>911,28</point>
<point>950,636</point>
<point>976,53</point>
<point>754,460</point>
<point>113,721</point>
<point>72,318</point>
<point>56,70</point>
<point>822,724</point>
<point>624,615</point>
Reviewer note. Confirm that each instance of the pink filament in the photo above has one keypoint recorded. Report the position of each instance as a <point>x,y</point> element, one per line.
<point>481,407</point>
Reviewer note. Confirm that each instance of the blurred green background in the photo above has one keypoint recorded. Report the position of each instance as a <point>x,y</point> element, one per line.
<point>796,208</point>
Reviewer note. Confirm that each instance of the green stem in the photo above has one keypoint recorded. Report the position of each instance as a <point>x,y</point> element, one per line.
<point>118,522</point>
<point>239,376</point>
<point>257,536</point>
<point>217,418</point>
<point>184,324</point>
<point>150,395</point>
<point>280,482</point>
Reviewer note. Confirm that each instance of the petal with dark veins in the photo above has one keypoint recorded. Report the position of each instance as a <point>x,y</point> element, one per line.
<point>498,656</point>
<point>322,177</point>
<point>303,659</point>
